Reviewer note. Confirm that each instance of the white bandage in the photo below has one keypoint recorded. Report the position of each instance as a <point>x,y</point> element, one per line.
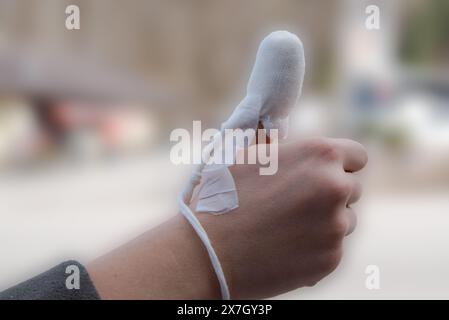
<point>273,88</point>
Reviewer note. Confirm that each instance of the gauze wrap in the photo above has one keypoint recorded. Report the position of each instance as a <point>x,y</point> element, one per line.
<point>272,91</point>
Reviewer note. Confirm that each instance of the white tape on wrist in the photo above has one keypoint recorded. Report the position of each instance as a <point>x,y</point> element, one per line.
<point>273,88</point>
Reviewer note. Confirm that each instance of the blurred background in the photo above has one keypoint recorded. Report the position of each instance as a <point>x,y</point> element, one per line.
<point>85,117</point>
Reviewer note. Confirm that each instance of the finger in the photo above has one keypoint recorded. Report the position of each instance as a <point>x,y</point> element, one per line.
<point>354,154</point>
<point>351,217</point>
<point>274,85</point>
<point>356,190</point>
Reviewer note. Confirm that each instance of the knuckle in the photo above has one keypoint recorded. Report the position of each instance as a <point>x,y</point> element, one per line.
<point>339,188</point>
<point>323,148</point>
<point>335,233</point>
<point>358,190</point>
<point>363,154</point>
<point>339,227</point>
<point>360,154</point>
<point>353,222</point>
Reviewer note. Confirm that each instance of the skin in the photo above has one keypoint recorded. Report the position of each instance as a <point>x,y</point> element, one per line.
<point>287,233</point>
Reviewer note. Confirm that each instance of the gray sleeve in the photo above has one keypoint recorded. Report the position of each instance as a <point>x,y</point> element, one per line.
<point>58,283</point>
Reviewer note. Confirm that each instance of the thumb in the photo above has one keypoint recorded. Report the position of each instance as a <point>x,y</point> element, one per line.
<point>274,85</point>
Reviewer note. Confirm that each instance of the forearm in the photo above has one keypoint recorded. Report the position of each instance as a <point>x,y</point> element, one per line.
<point>168,262</point>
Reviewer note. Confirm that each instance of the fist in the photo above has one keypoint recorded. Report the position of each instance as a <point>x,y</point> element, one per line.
<point>289,228</point>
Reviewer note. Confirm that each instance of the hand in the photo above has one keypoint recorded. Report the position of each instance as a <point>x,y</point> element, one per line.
<point>289,228</point>
<point>287,232</point>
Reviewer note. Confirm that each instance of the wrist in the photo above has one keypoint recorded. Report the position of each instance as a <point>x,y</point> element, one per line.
<point>168,262</point>
<point>200,280</point>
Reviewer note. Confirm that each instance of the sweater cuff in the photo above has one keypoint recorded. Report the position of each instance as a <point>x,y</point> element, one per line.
<point>67,281</point>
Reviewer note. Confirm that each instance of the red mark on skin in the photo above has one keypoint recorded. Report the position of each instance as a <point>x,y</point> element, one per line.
<point>267,138</point>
